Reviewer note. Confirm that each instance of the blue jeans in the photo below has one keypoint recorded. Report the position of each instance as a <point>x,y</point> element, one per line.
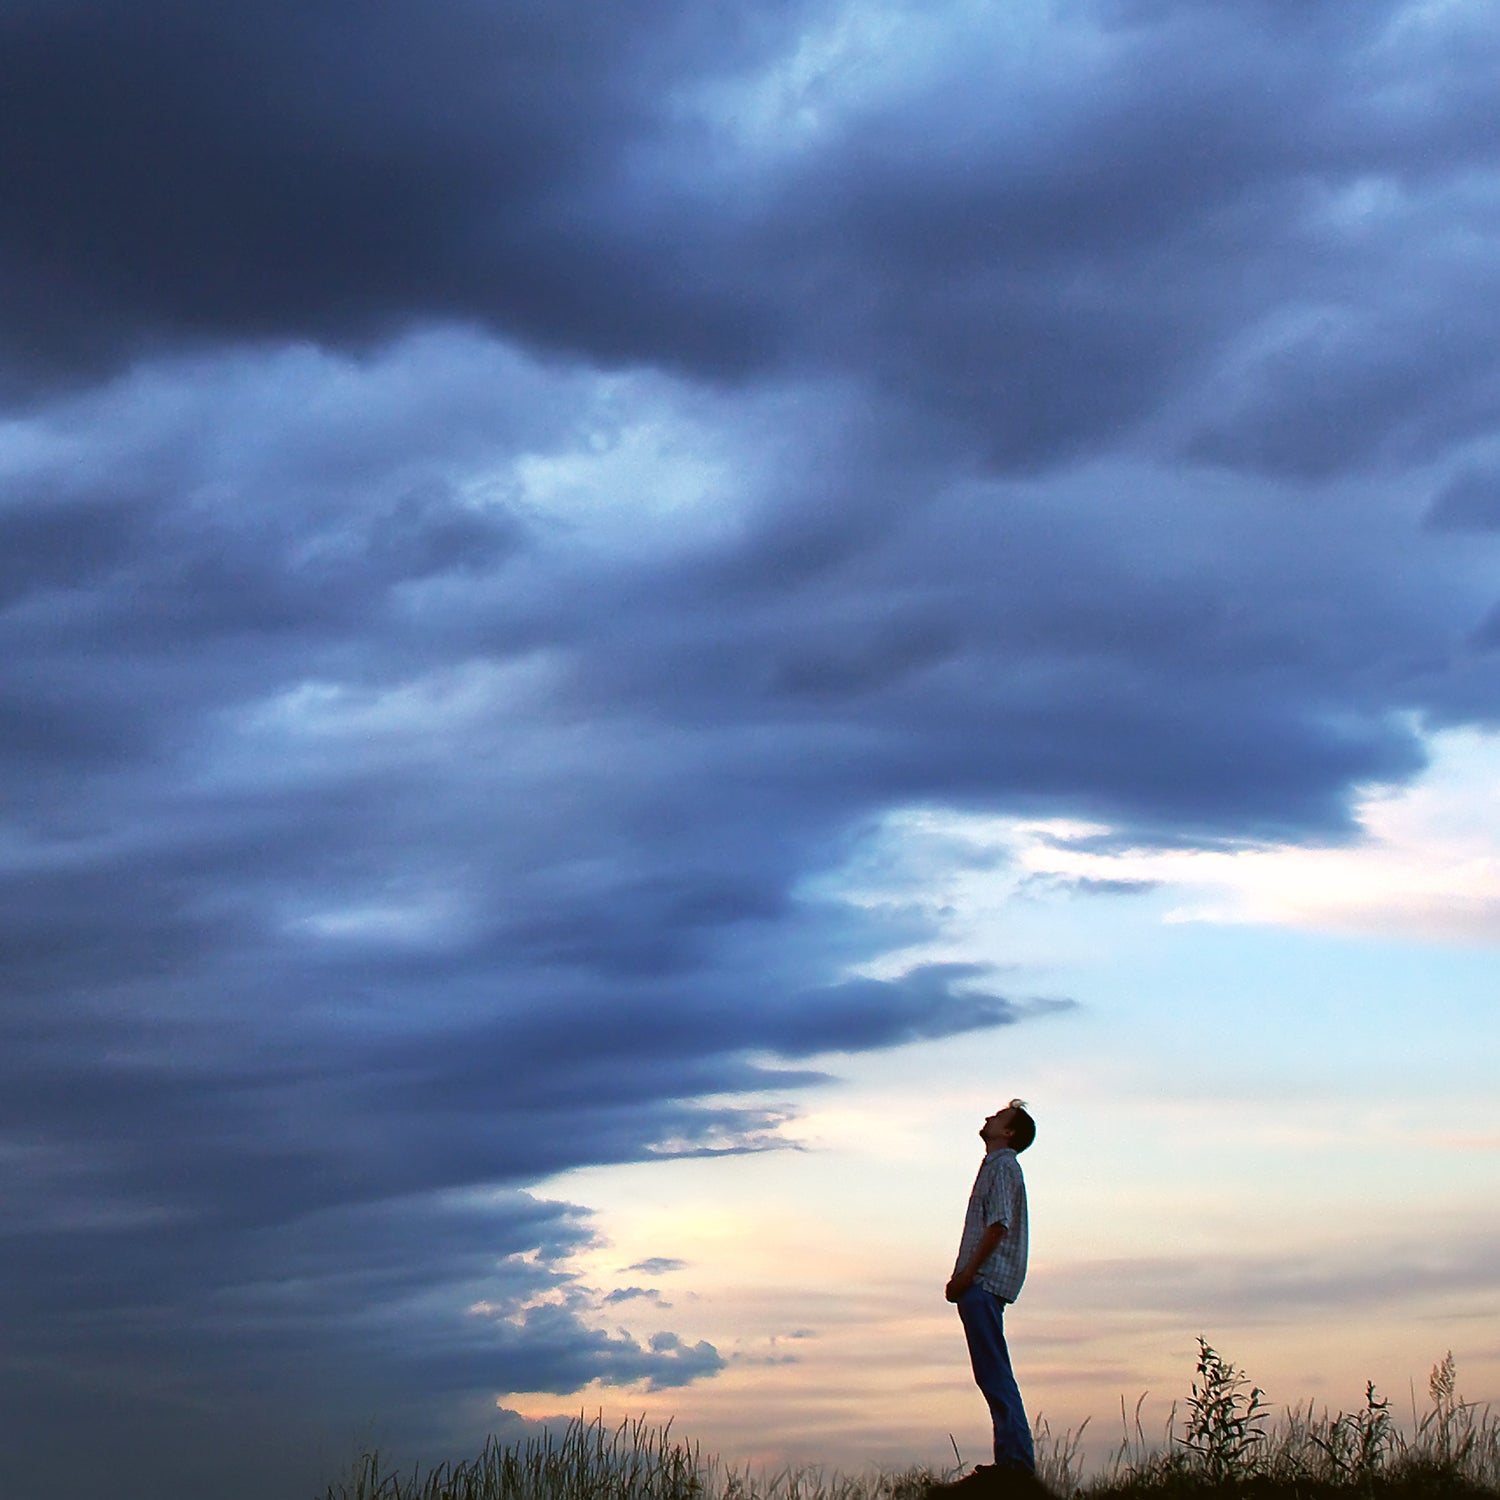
<point>983,1316</point>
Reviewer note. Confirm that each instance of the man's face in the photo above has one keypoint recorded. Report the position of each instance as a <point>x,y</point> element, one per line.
<point>996,1129</point>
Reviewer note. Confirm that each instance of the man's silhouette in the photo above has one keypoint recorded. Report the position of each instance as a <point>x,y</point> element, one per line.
<point>989,1271</point>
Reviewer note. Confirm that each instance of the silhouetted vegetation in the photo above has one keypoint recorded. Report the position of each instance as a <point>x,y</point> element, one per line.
<point>1226,1445</point>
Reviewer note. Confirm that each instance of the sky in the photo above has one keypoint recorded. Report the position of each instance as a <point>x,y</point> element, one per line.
<point>617,620</point>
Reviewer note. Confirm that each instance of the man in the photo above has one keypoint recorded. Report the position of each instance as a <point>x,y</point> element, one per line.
<point>989,1271</point>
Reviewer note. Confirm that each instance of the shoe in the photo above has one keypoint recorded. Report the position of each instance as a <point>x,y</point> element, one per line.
<point>993,1482</point>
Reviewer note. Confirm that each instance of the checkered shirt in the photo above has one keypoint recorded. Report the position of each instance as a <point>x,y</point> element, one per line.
<point>999,1197</point>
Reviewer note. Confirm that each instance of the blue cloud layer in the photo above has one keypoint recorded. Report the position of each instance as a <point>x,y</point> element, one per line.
<point>497,500</point>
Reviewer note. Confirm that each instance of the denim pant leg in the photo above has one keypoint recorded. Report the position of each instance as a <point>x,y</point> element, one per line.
<point>982,1314</point>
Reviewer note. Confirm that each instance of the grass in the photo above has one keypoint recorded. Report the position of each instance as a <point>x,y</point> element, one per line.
<point>1226,1445</point>
<point>1226,1442</point>
<point>634,1461</point>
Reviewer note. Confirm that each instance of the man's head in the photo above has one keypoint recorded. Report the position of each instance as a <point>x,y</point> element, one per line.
<point>1010,1126</point>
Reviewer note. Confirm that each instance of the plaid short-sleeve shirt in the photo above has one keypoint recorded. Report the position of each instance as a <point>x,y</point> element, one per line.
<point>999,1197</point>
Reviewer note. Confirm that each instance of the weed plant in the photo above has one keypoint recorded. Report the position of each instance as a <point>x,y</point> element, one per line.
<point>1227,1446</point>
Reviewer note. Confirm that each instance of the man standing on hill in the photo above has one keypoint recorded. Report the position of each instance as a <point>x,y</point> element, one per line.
<point>989,1271</point>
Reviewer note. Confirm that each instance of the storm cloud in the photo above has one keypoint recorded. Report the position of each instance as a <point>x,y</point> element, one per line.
<point>498,500</point>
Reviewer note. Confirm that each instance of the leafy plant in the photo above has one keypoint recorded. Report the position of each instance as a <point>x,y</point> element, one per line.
<point>1224,1428</point>
<point>1350,1448</point>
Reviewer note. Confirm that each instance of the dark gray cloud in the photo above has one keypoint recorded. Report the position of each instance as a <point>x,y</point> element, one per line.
<point>1051,234</point>
<point>338,895</point>
<point>658,1265</point>
<point>340,170</point>
<point>1470,501</point>
<point>634,1293</point>
<point>494,500</point>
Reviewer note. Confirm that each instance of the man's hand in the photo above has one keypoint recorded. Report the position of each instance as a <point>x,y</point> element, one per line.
<point>961,1281</point>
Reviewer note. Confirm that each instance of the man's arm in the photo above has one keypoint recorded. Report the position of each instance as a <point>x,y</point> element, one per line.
<point>963,1278</point>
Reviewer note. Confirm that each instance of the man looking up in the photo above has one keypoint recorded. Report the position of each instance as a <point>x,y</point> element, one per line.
<point>989,1271</point>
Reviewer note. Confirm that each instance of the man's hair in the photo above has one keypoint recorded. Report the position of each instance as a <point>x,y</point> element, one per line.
<point>1022,1126</point>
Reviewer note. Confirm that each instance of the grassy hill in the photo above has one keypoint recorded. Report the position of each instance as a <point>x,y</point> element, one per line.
<point>1227,1445</point>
